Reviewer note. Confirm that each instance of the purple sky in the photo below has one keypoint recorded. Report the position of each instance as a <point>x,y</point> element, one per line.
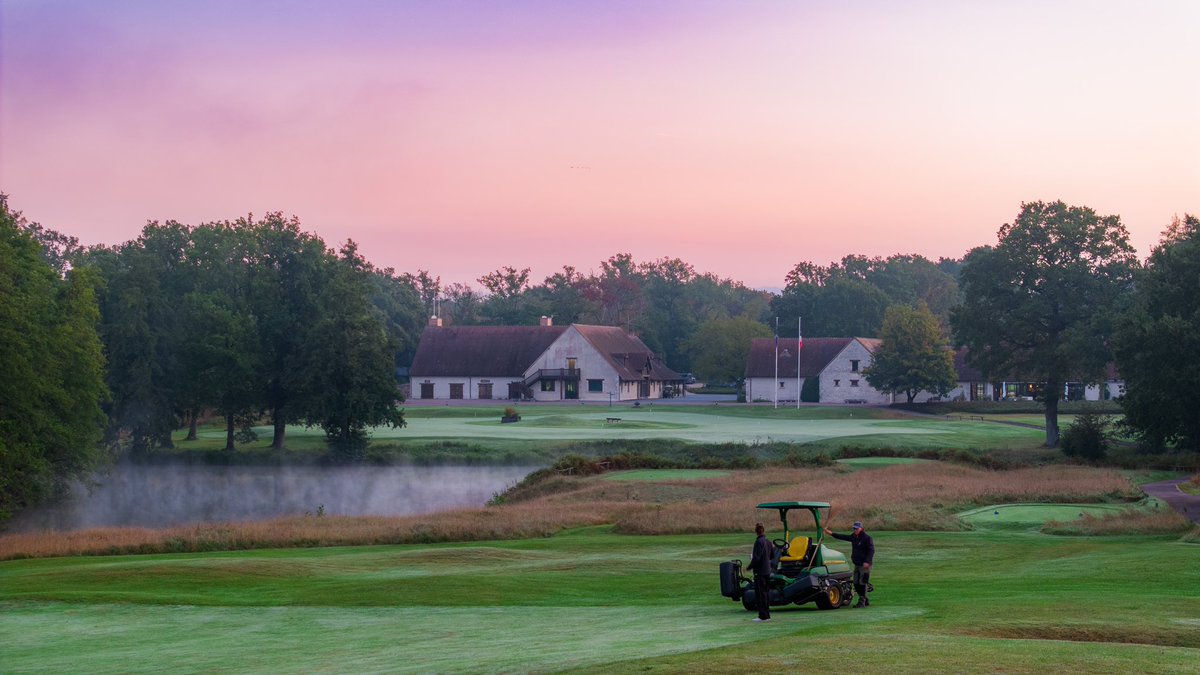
<point>462,136</point>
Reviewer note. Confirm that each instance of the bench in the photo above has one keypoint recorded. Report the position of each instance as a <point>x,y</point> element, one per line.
<point>612,420</point>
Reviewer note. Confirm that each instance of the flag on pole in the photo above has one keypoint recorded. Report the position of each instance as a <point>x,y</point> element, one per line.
<point>799,344</point>
<point>775,387</point>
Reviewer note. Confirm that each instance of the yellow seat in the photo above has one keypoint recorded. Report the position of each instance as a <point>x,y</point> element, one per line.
<point>797,548</point>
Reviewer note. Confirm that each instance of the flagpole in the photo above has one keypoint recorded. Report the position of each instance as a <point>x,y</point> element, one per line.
<point>799,345</point>
<point>775,384</point>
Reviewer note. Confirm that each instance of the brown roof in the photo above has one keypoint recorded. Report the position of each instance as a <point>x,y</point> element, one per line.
<point>966,373</point>
<point>631,358</point>
<point>815,354</point>
<point>461,351</point>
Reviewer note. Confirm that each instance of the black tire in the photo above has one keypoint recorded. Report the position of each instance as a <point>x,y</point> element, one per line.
<point>748,600</point>
<point>832,597</point>
<point>847,590</point>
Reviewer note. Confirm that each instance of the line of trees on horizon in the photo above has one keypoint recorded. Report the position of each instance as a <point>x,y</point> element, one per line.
<point>257,319</point>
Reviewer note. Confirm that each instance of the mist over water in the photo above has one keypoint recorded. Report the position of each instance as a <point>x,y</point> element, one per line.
<point>141,495</point>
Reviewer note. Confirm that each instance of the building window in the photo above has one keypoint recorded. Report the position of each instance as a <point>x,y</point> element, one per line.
<point>854,365</point>
<point>595,385</point>
<point>853,383</point>
<point>485,390</point>
<point>456,390</point>
<point>781,385</point>
<point>426,390</point>
<point>547,385</point>
<point>837,383</point>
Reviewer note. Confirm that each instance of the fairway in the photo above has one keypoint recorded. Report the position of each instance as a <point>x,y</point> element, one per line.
<point>708,424</point>
<point>967,602</point>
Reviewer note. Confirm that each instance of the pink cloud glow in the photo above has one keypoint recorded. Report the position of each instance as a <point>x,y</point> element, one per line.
<point>461,136</point>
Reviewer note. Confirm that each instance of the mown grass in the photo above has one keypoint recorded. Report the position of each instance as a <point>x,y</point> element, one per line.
<point>982,601</point>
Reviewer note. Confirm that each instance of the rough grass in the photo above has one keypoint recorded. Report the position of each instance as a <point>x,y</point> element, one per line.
<point>920,496</point>
<point>1163,520</point>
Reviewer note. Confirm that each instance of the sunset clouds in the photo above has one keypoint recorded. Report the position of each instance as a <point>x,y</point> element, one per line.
<point>462,136</point>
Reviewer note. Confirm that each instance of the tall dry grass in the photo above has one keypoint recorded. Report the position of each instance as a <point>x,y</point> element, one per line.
<point>1134,521</point>
<point>921,496</point>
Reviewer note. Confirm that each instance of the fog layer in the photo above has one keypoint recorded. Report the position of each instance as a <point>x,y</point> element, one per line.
<point>135,495</point>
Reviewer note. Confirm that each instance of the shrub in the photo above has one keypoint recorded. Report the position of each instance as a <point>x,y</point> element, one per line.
<point>810,391</point>
<point>1088,436</point>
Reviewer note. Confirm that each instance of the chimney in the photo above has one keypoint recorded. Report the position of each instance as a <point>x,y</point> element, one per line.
<point>436,321</point>
<point>546,321</point>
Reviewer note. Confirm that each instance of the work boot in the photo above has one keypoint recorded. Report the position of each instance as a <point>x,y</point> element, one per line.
<point>862,602</point>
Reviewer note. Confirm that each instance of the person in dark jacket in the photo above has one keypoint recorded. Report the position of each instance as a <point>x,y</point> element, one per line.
<point>762,562</point>
<point>862,554</point>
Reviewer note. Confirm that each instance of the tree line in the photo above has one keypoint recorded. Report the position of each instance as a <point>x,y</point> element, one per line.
<point>256,319</point>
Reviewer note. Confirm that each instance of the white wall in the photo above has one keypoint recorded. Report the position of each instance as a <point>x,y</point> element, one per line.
<point>1094,392</point>
<point>591,365</point>
<point>441,386</point>
<point>764,389</point>
<point>840,382</point>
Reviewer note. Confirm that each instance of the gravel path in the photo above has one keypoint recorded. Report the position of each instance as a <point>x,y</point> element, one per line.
<point>1188,505</point>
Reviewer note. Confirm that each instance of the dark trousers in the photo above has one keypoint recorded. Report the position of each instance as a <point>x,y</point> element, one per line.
<point>862,577</point>
<point>762,595</point>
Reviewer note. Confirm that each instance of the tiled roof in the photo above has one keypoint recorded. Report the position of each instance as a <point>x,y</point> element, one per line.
<point>462,351</point>
<point>631,358</point>
<point>815,354</point>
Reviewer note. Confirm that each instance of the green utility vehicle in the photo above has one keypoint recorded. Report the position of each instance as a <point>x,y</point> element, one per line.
<point>806,569</point>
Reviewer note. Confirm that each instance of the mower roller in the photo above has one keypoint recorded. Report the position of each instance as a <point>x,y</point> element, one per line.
<point>805,569</point>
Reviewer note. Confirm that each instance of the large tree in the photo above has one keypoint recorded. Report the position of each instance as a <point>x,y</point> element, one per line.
<point>913,356</point>
<point>718,349</point>
<point>286,269</point>
<point>1158,341</point>
<point>352,382</point>
<point>143,328</point>
<point>52,384</point>
<point>1041,303</point>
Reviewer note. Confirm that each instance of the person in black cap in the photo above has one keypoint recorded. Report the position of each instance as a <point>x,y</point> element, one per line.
<point>862,554</point>
<point>762,560</point>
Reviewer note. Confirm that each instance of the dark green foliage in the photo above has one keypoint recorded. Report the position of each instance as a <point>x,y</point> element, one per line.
<point>810,392</point>
<point>717,350</point>
<point>352,384</point>
<point>1088,437</point>
<point>251,316</point>
<point>912,357</point>
<point>52,384</point>
<point>664,301</point>
<point>1159,340</point>
<point>1040,304</point>
<point>850,298</point>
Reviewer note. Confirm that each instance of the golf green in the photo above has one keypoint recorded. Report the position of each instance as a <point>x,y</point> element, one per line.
<point>1036,514</point>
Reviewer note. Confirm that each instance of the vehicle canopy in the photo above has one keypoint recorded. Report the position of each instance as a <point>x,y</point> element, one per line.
<point>784,507</point>
<point>812,507</point>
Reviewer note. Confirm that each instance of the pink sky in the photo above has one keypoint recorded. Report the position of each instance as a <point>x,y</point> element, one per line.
<point>743,137</point>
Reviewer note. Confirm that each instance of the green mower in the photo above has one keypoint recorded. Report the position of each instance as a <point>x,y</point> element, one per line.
<point>806,569</point>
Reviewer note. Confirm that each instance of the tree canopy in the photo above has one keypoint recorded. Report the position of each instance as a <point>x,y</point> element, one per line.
<point>1041,303</point>
<point>912,356</point>
<point>52,387</point>
<point>1158,341</point>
